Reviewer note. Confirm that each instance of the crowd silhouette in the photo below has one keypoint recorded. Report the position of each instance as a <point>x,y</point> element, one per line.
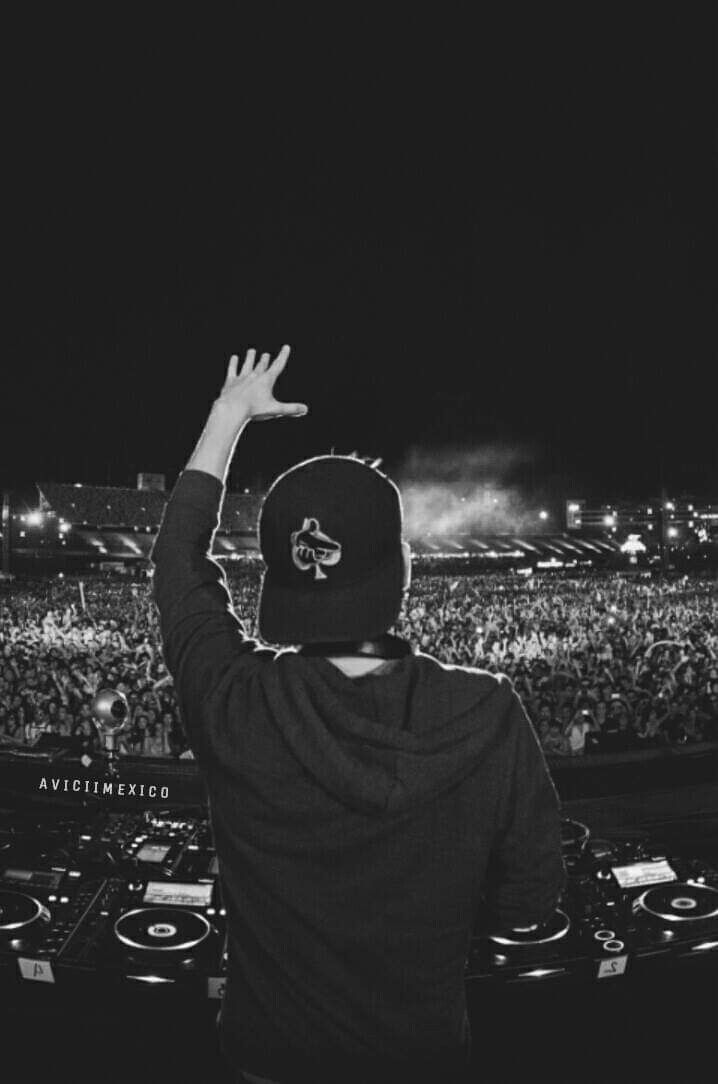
<point>602,663</point>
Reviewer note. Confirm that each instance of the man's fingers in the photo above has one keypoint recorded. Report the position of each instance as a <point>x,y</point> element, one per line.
<point>280,361</point>
<point>263,364</point>
<point>248,362</point>
<point>232,367</point>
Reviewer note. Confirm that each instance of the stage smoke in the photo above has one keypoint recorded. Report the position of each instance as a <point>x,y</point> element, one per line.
<point>483,489</point>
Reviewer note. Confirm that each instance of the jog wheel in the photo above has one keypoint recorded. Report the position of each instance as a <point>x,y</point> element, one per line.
<point>20,914</point>
<point>554,929</point>
<point>162,929</point>
<point>679,903</point>
<point>574,838</point>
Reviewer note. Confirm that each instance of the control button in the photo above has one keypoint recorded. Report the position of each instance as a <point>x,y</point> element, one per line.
<point>613,946</point>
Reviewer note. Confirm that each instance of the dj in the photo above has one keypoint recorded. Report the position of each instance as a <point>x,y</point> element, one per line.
<point>365,798</point>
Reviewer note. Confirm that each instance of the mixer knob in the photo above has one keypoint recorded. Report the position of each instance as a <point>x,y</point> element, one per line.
<point>613,945</point>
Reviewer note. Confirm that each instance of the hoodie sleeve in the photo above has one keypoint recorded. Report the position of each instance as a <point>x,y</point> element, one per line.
<point>201,634</point>
<point>527,868</point>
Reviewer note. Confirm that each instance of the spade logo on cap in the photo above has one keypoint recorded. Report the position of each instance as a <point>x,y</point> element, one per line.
<point>311,548</point>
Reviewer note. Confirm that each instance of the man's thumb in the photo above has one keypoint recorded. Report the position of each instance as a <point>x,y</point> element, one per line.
<point>296,410</point>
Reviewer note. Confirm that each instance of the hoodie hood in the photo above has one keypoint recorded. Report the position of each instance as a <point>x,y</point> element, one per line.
<point>386,742</point>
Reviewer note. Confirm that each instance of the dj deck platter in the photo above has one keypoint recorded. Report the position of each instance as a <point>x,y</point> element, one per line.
<point>162,929</point>
<point>679,903</point>
<point>574,836</point>
<point>20,912</point>
<point>553,930</point>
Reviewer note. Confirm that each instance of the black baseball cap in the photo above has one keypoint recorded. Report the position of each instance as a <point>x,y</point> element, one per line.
<point>330,535</point>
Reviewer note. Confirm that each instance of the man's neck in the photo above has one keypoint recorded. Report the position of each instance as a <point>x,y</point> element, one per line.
<point>363,657</point>
<point>355,666</point>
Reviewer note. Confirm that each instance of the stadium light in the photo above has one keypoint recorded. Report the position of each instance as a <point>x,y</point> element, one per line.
<point>632,546</point>
<point>543,514</point>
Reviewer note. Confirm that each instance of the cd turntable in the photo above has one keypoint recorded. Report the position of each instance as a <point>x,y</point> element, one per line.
<point>627,907</point>
<point>39,912</point>
<point>153,933</point>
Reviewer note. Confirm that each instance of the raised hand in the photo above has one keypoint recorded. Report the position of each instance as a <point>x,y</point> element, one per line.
<point>249,392</point>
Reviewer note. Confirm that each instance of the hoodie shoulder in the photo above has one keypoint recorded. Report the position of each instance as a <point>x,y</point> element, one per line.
<point>467,676</point>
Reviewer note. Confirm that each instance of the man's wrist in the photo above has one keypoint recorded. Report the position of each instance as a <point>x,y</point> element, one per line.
<point>226,419</point>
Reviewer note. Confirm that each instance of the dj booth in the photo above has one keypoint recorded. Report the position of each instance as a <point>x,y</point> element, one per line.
<point>113,927</point>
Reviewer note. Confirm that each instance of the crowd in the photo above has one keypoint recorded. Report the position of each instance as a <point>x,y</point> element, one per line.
<point>601,663</point>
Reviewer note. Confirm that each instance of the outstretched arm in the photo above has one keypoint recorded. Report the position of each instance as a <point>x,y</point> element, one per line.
<point>201,635</point>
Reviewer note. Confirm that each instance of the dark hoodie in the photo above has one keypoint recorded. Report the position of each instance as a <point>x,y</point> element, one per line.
<point>359,822</point>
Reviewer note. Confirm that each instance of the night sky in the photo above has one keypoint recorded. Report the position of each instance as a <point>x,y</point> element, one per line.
<point>511,244</point>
